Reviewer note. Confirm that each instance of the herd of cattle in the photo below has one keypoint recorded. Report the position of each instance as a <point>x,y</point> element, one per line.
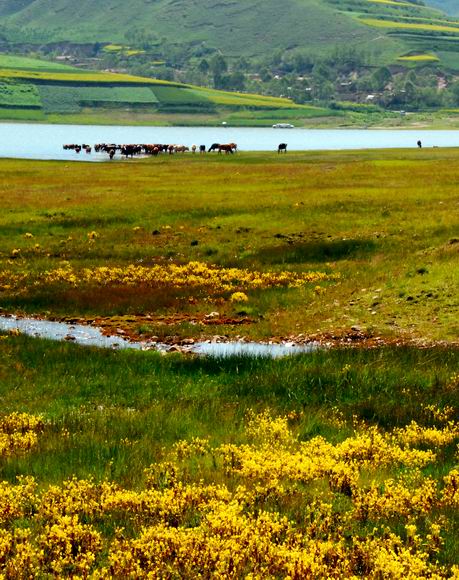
<point>149,149</point>
<point>156,148</point>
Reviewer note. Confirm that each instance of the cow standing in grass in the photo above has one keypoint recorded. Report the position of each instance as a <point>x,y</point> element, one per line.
<point>227,148</point>
<point>282,147</point>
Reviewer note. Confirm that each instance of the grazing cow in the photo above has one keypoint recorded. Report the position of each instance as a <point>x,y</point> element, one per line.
<point>193,148</point>
<point>420,144</point>
<point>227,148</point>
<point>282,147</point>
<point>202,149</point>
<point>171,149</point>
<point>181,148</point>
<point>77,148</point>
<point>214,147</point>
<point>130,150</point>
<point>88,149</point>
<point>234,147</point>
<point>111,153</point>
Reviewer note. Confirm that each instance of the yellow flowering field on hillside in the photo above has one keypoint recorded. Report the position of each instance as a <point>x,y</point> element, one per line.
<point>191,275</point>
<point>273,506</point>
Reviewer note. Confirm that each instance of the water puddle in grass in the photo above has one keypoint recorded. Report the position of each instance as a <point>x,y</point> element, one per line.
<point>78,333</point>
<point>93,336</point>
<point>253,349</point>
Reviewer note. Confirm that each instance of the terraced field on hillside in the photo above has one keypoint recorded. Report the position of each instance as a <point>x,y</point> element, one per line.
<point>34,89</point>
<point>411,26</point>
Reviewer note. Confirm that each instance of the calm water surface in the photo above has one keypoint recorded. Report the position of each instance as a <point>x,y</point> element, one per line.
<point>36,141</point>
<point>92,336</point>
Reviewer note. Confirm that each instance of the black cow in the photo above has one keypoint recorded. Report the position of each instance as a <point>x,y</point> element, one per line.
<point>282,147</point>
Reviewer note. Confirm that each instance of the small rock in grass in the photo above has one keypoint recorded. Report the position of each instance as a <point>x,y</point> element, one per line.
<point>212,315</point>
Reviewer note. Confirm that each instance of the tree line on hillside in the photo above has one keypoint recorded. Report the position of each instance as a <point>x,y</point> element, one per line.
<point>350,74</point>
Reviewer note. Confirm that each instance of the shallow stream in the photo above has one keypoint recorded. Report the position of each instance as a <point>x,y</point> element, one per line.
<point>92,336</point>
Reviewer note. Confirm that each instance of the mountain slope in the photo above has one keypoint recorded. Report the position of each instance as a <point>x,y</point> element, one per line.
<point>249,27</point>
<point>449,6</point>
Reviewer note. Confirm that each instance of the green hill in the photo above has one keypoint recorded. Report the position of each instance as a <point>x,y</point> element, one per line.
<point>249,28</point>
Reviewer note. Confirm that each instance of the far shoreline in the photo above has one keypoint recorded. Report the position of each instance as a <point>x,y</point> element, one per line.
<point>411,121</point>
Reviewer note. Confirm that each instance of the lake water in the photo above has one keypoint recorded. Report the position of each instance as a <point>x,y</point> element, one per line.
<point>37,141</point>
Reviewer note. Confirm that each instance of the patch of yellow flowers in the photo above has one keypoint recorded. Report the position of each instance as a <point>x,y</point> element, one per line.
<point>19,433</point>
<point>190,275</point>
<point>284,508</point>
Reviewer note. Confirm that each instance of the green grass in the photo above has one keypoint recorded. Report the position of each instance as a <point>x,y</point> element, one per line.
<point>382,219</point>
<point>62,99</point>
<point>23,115</point>
<point>333,212</point>
<point>183,100</point>
<point>9,61</point>
<point>103,397</point>
<point>19,95</point>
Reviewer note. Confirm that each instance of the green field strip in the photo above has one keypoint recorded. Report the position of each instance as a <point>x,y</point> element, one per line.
<point>247,100</point>
<point>69,99</point>
<point>409,26</point>
<point>8,61</point>
<point>80,78</point>
<point>19,96</point>
<point>393,3</point>
<point>419,58</point>
<point>180,96</point>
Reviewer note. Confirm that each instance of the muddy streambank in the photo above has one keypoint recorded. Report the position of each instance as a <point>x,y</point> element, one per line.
<point>126,332</point>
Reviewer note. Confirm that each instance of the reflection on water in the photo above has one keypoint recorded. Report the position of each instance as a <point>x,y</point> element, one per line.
<point>252,349</point>
<point>78,333</point>
<point>92,336</point>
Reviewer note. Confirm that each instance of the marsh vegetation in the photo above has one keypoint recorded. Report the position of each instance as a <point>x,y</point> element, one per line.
<point>339,462</point>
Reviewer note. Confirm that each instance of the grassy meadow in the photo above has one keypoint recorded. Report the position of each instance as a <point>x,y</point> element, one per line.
<point>379,226</point>
<point>340,463</point>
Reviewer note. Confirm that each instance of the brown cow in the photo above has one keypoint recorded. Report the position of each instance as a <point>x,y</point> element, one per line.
<point>227,148</point>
